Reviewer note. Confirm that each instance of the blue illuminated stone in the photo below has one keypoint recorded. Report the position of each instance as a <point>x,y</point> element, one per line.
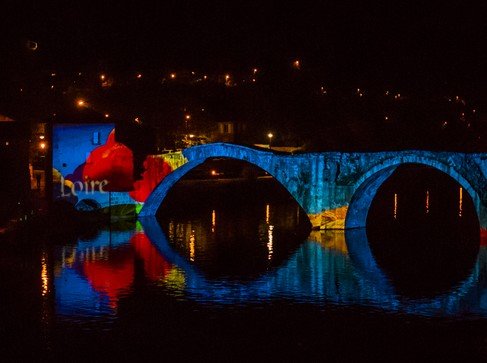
<point>336,189</point>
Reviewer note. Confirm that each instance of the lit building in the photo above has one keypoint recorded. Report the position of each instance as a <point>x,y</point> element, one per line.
<point>93,171</point>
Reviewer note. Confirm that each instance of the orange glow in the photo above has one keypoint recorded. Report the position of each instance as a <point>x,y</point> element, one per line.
<point>460,202</point>
<point>44,275</point>
<point>270,243</point>
<point>213,172</point>
<point>42,145</point>
<point>102,77</point>
<point>187,116</point>
<point>172,75</point>
<point>395,205</point>
<point>213,220</point>
<point>107,115</point>
<point>81,103</point>
<point>191,246</point>
<point>297,64</point>
<point>139,75</point>
<point>427,201</point>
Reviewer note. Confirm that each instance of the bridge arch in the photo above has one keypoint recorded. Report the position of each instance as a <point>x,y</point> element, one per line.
<point>365,189</point>
<point>197,155</point>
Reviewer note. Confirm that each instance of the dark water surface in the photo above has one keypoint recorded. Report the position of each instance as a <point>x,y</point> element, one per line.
<point>239,276</point>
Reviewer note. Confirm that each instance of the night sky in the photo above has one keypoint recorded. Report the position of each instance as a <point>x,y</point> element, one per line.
<point>433,54</point>
<point>411,44</point>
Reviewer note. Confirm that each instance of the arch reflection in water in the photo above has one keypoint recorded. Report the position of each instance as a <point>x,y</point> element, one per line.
<point>324,270</point>
<point>431,242</point>
<point>424,263</point>
<point>249,241</point>
<point>327,268</point>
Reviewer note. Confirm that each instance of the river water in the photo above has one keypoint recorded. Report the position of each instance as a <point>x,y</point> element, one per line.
<point>244,278</point>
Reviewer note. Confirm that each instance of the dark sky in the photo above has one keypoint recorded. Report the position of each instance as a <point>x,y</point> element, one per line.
<point>388,42</point>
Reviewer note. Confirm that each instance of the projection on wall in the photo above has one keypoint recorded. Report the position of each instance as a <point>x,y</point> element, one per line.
<point>92,171</point>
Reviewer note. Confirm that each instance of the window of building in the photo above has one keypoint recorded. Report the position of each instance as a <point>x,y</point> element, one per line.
<point>96,138</point>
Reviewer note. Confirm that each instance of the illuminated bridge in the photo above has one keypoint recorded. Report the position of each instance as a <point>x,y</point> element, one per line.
<point>336,189</point>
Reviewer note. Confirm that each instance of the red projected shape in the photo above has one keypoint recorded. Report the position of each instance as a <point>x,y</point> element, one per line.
<point>112,276</point>
<point>155,266</point>
<point>113,163</point>
<point>155,169</point>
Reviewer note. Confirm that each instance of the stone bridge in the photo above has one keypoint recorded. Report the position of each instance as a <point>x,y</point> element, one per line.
<point>336,189</point>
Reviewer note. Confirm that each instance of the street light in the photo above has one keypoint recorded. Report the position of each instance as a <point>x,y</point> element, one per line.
<point>81,103</point>
<point>187,117</point>
<point>270,136</point>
